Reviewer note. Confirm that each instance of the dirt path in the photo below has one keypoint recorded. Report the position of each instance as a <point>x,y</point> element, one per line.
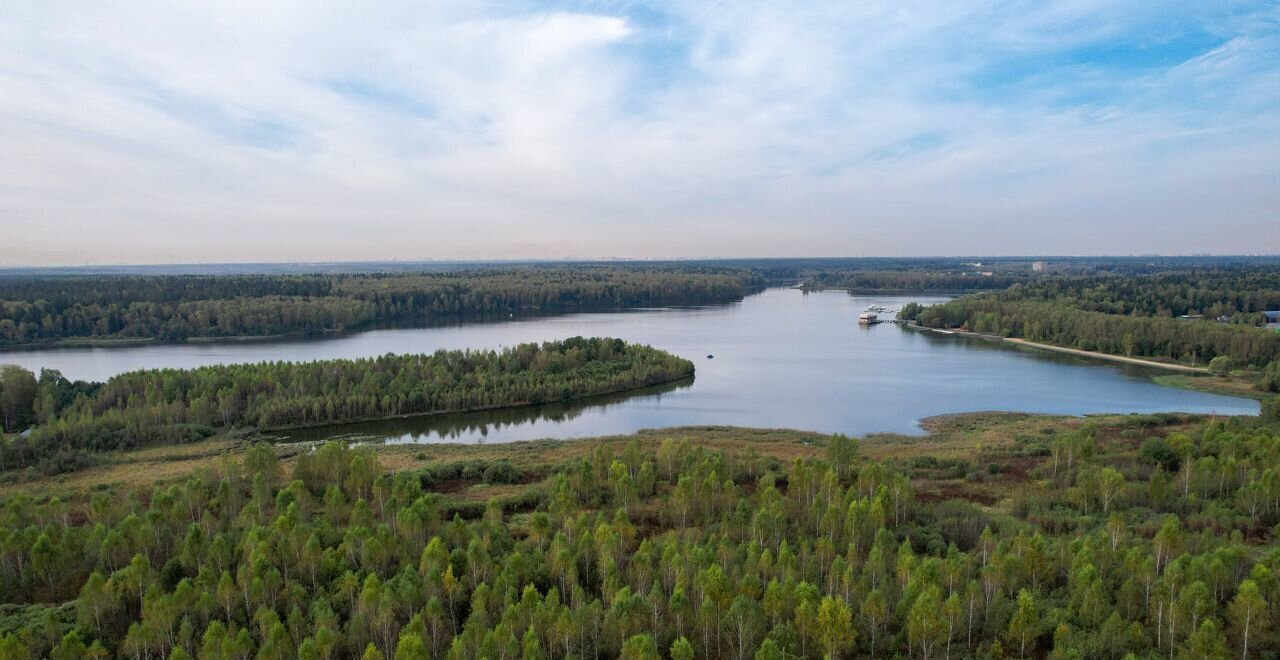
<point>1107,356</point>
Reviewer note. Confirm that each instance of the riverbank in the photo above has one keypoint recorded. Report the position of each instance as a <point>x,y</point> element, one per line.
<point>125,342</point>
<point>427,323</point>
<point>1107,356</point>
<point>1233,385</point>
<point>586,399</point>
<point>1017,341</point>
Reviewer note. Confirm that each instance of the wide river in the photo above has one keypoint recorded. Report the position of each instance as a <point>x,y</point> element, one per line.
<point>783,359</point>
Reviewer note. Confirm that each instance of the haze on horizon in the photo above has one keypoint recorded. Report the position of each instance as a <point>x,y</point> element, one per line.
<point>249,132</point>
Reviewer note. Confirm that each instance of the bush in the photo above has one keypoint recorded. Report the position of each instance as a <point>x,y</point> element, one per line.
<point>1158,452</point>
<point>502,472</point>
<point>1221,365</point>
<point>1271,410</point>
<point>1270,379</point>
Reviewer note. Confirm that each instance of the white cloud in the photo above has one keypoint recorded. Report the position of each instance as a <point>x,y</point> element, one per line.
<point>136,132</point>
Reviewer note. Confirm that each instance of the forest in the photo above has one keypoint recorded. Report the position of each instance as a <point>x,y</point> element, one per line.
<point>1134,316</point>
<point>140,408</point>
<point>1193,342</point>
<point>35,310</point>
<point>151,516</point>
<point>1236,294</point>
<point>1127,537</point>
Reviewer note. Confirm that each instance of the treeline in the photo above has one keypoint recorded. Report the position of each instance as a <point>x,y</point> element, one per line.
<point>1109,551</point>
<point>1134,315</point>
<point>1192,342</point>
<point>179,307</point>
<point>964,279</point>
<point>176,405</point>
<point>1232,293</point>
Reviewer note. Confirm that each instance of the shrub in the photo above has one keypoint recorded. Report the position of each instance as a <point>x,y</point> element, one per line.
<point>1271,410</point>
<point>1158,452</point>
<point>502,472</point>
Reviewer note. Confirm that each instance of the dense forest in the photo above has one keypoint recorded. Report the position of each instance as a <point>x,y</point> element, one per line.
<point>1158,541</point>
<point>176,405</point>
<point>966,279</point>
<point>180,307</point>
<point>1234,294</point>
<point>1193,342</point>
<point>1135,316</point>
<point>173,307</point>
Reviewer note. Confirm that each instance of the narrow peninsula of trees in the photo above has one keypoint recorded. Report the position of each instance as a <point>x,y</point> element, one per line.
<point>176,405</point>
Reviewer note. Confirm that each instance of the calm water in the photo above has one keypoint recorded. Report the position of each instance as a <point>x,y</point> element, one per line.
<point>782,359</point>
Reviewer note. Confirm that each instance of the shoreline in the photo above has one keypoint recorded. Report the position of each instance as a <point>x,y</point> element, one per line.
<point>1107,356</point>
<point>440,413</point>
<point>1035,345</point>
<point>450,320</point>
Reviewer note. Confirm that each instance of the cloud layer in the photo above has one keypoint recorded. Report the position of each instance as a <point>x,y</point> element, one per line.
<point>241,131</point>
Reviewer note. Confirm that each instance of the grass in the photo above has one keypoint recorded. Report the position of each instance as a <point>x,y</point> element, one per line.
<point>134,470</point>
<point>989,460</point>
<point>980,457</point>
<point>1241,384</point>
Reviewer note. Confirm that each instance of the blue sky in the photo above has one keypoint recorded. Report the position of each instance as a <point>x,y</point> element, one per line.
<point>238,131</point>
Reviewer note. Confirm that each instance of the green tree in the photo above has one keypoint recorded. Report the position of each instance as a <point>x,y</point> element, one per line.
<point>639,647</point>
<point>768,650</point>
<point>1249,614</point>
<point>411,647</point>
<point>1271,409</point>
<point>1206,643</point>
<point>1110,484</point>
<point>1024,626</point>
<point>1221,365</point>
<point>875,612</point>
<point>17,397</point>
<point>681,649</point>
<point>925,627</point>
<point>835,626</point>
<point>842,451</point>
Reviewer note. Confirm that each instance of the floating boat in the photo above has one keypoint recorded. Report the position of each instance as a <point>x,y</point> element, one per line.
<point>868,318</point>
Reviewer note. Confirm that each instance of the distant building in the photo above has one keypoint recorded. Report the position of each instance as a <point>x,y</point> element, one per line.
<point>1273,319</point>
<point>868,318</point>
<point>1039,266</point>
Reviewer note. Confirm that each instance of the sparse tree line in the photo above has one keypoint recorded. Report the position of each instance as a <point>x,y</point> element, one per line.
<point>179,405</point>
<point>179,307</point>
<point>1116,551</point>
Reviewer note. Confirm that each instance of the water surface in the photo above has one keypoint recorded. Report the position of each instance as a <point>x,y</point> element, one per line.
<point>783,359</point>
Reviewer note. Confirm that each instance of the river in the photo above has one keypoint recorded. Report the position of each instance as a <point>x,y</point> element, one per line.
<point>782,359</point>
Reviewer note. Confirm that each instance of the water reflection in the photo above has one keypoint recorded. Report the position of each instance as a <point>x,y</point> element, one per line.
<point>783,359</point>
<point>475,426</point>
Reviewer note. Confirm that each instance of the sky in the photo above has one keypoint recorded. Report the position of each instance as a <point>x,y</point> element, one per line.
<point>237,131</point>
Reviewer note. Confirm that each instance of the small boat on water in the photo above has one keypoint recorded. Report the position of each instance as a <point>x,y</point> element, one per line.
<point>868,318</point>
<point>710,356</point>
